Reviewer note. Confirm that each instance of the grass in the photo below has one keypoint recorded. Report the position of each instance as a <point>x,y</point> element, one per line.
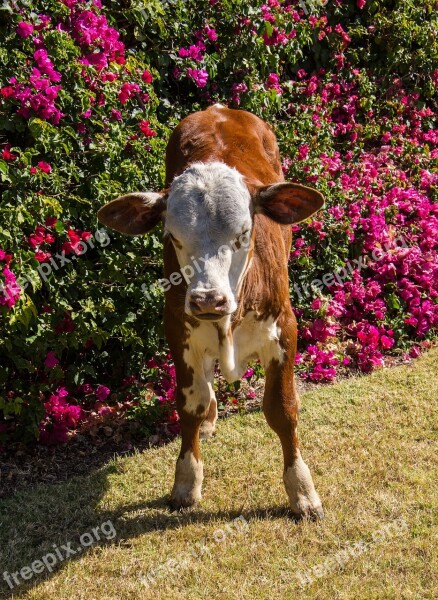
<point>371,445</point>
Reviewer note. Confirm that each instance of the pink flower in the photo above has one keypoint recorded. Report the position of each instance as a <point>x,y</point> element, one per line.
<point>7,92</point>
<point>102,392</point>
<point>386,342</point>
<point>147,77</point>
<point>116,115</point>
<point>51,361</point>
<point>200,77</point>
<point>42,256</point>
<point>316,304</point>
<point>24,30</point>
<point>127,91</point>
<point>273,83</point>
<point>303,152</point>
<point>361,3</point>
<point>45,167</point>
<point>148,132</point>
<point>415,352</point>
<point>248,373</point>
<point>7,154</point>
<point>10,291</point>
<point>210,33</point>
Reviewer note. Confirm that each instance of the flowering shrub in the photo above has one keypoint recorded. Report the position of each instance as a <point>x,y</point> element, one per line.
<point>89,93</point>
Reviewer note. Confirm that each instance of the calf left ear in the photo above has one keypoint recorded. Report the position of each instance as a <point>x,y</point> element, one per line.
<point>134,214</point>
<point>288,203</point>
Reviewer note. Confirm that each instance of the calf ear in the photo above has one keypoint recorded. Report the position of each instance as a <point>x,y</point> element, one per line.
<point>134,214</point>
<point>288,203</point>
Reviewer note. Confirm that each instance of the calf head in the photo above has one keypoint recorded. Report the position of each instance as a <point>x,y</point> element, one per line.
<point>208,213</point>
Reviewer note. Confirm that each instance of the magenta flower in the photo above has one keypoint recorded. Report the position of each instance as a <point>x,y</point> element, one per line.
<point>200,77</point>
<point>102,392</point>
<point>248,373</point>
<point>303,152</point>
<point>273,83</point>
<point>148,132</point>
<point>24,30</point>
<point>45,167</point>
<point>51,361</point>
<point>10,291</point>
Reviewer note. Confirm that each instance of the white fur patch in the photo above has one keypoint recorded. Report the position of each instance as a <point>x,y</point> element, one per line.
<point>304,500</point>
<point>188,481</point>
<point>251,339</point>
<point>199,356</point>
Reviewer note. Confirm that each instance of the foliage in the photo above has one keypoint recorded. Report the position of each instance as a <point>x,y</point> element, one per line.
<point>89,95</point>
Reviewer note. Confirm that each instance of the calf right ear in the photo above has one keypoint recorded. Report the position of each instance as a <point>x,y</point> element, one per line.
<point>135,213</point>
<point>287,202</point>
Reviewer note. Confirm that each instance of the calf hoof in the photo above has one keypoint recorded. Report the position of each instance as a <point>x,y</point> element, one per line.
<point>207,430</point>
<point>303,498</point>
<point>188,482</point>
<point>181,499</point>
<point>305,510</point>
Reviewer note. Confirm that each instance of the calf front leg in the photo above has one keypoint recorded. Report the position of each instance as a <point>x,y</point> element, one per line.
<point>193,403</point>
<point>208,426</point>
<point>280,406</point>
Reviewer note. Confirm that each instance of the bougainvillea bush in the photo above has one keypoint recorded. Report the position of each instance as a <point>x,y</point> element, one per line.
<point>89,92</point>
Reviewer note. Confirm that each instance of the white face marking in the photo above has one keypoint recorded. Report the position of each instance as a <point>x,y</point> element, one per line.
<point>299,487</point>
<point>189,474</point>
<point>208,210</point>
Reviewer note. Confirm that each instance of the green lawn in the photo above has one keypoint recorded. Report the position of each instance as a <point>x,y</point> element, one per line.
<point>371,444</point>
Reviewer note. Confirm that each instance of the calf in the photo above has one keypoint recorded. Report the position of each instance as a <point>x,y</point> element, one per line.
<point>227,213</point>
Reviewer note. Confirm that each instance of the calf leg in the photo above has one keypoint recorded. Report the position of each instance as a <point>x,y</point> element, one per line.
<point>193,403</point>
<point>280,406</point>
<point>208,426</point>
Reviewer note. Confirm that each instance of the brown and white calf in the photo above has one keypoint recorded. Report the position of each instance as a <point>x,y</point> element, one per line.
<point>227,213</point>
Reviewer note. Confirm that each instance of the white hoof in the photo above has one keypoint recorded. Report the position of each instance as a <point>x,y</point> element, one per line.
<point>207,430</point>
<point>303,498</point>
<point>188,482</point>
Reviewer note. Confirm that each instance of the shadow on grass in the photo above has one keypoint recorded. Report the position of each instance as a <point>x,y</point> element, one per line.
<point>37,521</point>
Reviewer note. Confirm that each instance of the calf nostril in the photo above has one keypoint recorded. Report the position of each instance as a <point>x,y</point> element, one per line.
<point>221,302</point>
<point>195,308</point>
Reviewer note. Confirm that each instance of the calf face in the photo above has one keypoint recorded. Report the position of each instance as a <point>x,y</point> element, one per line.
<point>208,215</point>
